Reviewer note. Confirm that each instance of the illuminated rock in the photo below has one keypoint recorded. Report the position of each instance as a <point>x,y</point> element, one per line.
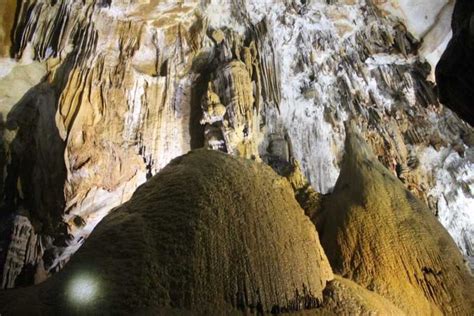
<point>122,87</point>
<point>379,235</point>
<point>210,234</point>
<point>344,297</point>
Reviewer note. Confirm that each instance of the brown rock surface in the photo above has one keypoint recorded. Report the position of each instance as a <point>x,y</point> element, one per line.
<point>378,234</point>
<point>127,83</point>
<point>7,19</point>
<point>210,233</point>
<point>344,297</point>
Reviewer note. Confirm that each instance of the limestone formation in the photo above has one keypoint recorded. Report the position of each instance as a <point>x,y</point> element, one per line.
<point>237,90</point>
<point>237,118</point>
<point>379,235</point>
<point>99,122</point>
<point>7,20</point>
<point>210,234</point>
<point>99,95</point>
<point>344,297</point>
<point>307,197</point>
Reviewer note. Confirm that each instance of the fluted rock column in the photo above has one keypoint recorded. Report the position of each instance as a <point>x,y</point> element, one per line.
<point>229,108</point>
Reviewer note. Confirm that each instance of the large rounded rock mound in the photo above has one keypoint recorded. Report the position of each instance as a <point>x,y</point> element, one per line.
<point>378,234</point>
<point>210,234</point>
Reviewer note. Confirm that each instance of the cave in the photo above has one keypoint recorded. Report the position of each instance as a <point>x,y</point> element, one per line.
<point>237,157</point>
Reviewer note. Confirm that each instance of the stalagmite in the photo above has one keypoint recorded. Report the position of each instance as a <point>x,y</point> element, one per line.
<point>376,233</point>
<point>98,96</point>
<point>195,238</point>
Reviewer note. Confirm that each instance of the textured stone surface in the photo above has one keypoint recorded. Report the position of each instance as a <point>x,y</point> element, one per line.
<point>7,20</point>
<point>379,235</point>
<point>210,233</point>
<point>348,58</point>
<point>108,107</point>
<point>235,118</point>
<point>344,297</point>
<point>428,20</point>
<point>129,85</point>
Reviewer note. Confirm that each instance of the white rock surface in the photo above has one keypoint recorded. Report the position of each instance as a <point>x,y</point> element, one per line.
<point>428,20</point>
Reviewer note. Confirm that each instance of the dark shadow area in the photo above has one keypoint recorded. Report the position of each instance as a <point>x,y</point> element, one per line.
<point>34,167</point>
<point>6,218</point>
<point>425,91</point>
<point>196,130</point>
<point>36,171</point>
<point>3,153</point>
<point>22,16</point>
<point>455,70</point>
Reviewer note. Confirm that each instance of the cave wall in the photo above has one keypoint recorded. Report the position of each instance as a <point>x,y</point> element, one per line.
<point>122,87</point>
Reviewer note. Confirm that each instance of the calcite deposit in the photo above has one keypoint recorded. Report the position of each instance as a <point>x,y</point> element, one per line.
<point>197,237</point>
<point>98,96</point>
<point>378,234</point>
<point>344,297</point>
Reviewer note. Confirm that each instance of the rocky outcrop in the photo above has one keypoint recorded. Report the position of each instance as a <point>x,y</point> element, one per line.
<point>379,235</point>
<point>237,121</point>
<point>91,131</point>
<point>191,241</point>
<point>126,87</point>
<point>307,197</point>
<point>210,234</point>
<point>455,70</point>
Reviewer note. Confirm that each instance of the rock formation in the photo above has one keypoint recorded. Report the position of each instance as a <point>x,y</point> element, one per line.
<point>376,233</point>
<point>429,22</point>
<point>98,96</point>
<point>344,297</point>
<point>356,58</point>
<point>6,25</point>
<point>191,241</point>
<point>209,234</point>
